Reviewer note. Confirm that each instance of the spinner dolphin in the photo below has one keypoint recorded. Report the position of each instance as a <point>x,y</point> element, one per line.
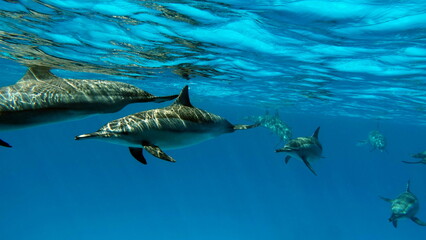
<point>40,97</point>
<point>308,149</point>
<point>376,140</point>
<point>405,205</point>
<point>421,155</point>
<point>175,126</point>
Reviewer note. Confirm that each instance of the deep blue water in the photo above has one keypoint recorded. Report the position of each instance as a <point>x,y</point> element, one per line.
<point>347,66</point>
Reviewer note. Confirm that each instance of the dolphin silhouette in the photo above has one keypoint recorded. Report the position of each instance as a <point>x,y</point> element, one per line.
<point>40,97</point>
<point>175,126</point>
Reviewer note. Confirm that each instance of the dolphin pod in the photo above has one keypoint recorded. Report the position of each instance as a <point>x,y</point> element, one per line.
<point>175,126</point>
<point>41,97</point>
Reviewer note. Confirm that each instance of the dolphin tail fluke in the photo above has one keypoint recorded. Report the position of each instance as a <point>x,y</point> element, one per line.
<point>164,98</point>
<point>157,152</point>
<point>418,221</point>
<point>4,144</point>
<point>243,127</point>
<point>137,153</point>
<point>309,166</point>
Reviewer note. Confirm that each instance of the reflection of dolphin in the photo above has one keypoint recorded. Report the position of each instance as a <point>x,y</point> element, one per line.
<point>275,124</point>
<point>176,126</point>
<point>405,205</point>
<point>421,155</point>
<point>41,97</point>
<point>307,149</point>
<point>376,140</point>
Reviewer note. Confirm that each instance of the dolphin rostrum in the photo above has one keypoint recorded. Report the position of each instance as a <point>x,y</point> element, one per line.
<point>405,205</point>
<point>307,149</point>
<point>40,97</point>
<point>175,126</point>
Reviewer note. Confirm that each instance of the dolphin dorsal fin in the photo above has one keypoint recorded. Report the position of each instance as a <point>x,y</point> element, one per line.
<point>408,187</point>
<point>38,73</point>
<point>183,98</point>
<point>315,135</point>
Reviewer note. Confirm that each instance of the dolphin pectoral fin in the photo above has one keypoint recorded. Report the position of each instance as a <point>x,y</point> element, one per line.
<point>386,199</point>
<point>243,127</point>
<point>4,144</point>
<point>287,158</point>
<point>412,162</point>
<point>394,223</point>
<point>157,152</point>
<point>362,142</point>
<point>137,153</point>
<point>418,221</point>
<point>309,165</point>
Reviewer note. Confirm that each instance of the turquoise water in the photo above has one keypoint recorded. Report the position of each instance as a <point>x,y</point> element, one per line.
<point>348,66</point>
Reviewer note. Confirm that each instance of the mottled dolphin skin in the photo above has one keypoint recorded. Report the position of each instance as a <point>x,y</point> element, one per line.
<point>421,155</point>
<point>405,205</point>
<point>376,140</point>
<point>307,149</point>
<point>175,126</point>
<point>41,97</point>
<point>274,123</point>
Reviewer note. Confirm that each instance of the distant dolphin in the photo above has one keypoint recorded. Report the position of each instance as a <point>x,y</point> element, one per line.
<point>376,140</point>
<point>176,126</point>
<point>405,205</point>
<point>40,97</point>
<point>275,124</point>
<point>307,149</point>
<point>421,155</point>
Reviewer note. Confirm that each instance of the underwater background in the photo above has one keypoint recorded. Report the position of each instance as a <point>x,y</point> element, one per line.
<point>349,67</point>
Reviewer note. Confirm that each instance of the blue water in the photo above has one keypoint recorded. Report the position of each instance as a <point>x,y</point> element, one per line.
<point>347,66</point>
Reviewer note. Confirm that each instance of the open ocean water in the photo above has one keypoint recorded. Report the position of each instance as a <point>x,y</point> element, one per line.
<point>348,66</point>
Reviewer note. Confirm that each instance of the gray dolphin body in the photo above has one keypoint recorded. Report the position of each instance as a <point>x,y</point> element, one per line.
<point>376,140</point>
<point>275,124</point>
<point>176,126</point>
<point>405,205</point>
<point>307,149</point>
<point>41,97</point>
<point>421,155</point>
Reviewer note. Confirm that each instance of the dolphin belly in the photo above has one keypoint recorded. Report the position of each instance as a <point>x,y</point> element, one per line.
<point>164,139</point>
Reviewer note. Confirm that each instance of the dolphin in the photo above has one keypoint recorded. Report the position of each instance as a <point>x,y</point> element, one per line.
<point>421,155</point>
<point>405,205</point>
<point>175,126</point>
<point>275,124</point>
<point>307,149</point>
<point>376,140</point>
<point>41,97</point>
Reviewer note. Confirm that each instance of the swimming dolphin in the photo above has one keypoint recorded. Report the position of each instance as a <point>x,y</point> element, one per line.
<point>421,155</point>
<point>307,149</point>
<point>405,205</point>
<point>40,97</point>
<point>175,126</point>
<point>376,140</point>
<point>275,124</point>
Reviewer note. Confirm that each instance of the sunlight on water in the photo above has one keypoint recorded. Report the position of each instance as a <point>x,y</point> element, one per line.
<point>306,53</point>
